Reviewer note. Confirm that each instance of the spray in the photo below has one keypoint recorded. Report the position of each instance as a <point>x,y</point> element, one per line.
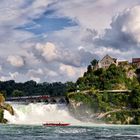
<point>39,113</point>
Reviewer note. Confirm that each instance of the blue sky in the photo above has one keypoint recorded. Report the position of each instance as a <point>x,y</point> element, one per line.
<point>47,24</point>
<point>55,40</point>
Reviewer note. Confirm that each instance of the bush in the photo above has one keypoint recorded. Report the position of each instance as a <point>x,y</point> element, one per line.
<point>134,98</point>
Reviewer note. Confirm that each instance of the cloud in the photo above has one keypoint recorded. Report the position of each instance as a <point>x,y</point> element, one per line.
<point>124,34</point>
<point>13,15</point>
<point>13,75</point>
<point>48,51</point>
<point>30,75</point>
<point>51,73</point>
<point>93,19</point>
<point>93,14</point>
<point>17,13</point>
<point>51,53</point>
<point>16,61</point>
<point>0,68</point>
<point>71,72</point>
<point>64,54</point>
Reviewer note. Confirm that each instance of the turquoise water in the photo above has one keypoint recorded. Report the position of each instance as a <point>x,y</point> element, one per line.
<point>25,132</point>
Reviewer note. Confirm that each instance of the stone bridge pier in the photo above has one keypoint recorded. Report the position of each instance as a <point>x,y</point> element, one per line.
<point>54,100</point>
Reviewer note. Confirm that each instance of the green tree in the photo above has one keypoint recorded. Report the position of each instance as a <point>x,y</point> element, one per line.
<point>134,98</point>
<point>70,86</point>
<point>17,93</point>
<point>94,62</point>
<point>89,69</point>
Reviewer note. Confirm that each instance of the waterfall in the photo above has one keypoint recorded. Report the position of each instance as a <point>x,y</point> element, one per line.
<point>39,113</point>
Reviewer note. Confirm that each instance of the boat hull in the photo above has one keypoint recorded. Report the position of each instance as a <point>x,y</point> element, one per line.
<point>56,124</point>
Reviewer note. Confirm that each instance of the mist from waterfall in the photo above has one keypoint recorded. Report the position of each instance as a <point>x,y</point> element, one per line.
<point>39,113</point>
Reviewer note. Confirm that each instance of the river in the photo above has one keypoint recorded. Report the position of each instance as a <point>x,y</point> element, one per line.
<point>31,132</point>
<point>27,124</point>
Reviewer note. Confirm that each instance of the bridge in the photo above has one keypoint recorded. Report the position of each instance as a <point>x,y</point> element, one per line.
<point>40,98</point>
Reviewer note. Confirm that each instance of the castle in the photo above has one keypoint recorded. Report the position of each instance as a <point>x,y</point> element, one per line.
<point>107,60</point>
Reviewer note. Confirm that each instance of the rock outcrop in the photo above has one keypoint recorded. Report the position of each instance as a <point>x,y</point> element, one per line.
<point>4,106</point>
<point>110,108</point>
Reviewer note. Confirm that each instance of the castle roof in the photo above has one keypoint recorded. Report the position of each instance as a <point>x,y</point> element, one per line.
<point>135,60</point>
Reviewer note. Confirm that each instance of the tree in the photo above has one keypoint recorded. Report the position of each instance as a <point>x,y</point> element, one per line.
<point>134,98</point>
<point>17,93</point>
<point>89,69</point>
<point>70,86</point>
<point>94,62</point>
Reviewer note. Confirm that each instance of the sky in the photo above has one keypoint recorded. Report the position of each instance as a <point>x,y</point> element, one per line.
<point>55,40</point>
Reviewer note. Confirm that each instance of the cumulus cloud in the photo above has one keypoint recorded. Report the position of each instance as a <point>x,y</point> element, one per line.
<point>131,23</point>
<point>51,53</point>
<point>124,33</point>
<point>16,61</point>
<point>48,51</point>
<point>13,15</point>
<point>71,71</point>
<point>91,14</point>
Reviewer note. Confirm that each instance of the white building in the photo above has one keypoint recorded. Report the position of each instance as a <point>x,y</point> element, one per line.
<point>107,61</point>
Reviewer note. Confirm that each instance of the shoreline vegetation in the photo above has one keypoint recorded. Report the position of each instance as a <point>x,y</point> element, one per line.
<point>90,97</point>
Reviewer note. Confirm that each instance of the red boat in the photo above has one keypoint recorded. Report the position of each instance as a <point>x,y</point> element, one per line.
<point>56,124</point>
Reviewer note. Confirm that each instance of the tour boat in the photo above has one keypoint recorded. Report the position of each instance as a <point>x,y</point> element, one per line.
<point>56,124</point>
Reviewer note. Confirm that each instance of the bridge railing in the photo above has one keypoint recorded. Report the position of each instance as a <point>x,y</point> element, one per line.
<point>28,97</point>
<point>39,98</point>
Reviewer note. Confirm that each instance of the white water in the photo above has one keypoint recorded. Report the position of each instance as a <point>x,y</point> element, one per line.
<point>40,113</point>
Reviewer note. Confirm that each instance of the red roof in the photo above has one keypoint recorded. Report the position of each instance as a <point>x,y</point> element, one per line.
<point>135,60</point>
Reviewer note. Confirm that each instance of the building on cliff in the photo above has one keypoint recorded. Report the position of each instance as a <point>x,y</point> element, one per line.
<point>123,63</point>
<point>136,61</point>
<point>107,61</point>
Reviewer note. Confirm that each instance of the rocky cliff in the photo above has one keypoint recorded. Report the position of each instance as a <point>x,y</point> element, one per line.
<point>4,106</point>
<point>116,108</point>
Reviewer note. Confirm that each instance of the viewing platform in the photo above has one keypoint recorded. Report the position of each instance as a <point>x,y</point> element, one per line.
<point>115,91</point>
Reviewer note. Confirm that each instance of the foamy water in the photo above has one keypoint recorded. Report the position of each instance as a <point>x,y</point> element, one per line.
<point>40,113</point>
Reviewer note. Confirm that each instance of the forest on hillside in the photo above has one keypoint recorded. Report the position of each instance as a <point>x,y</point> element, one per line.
<point>121,77</point>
